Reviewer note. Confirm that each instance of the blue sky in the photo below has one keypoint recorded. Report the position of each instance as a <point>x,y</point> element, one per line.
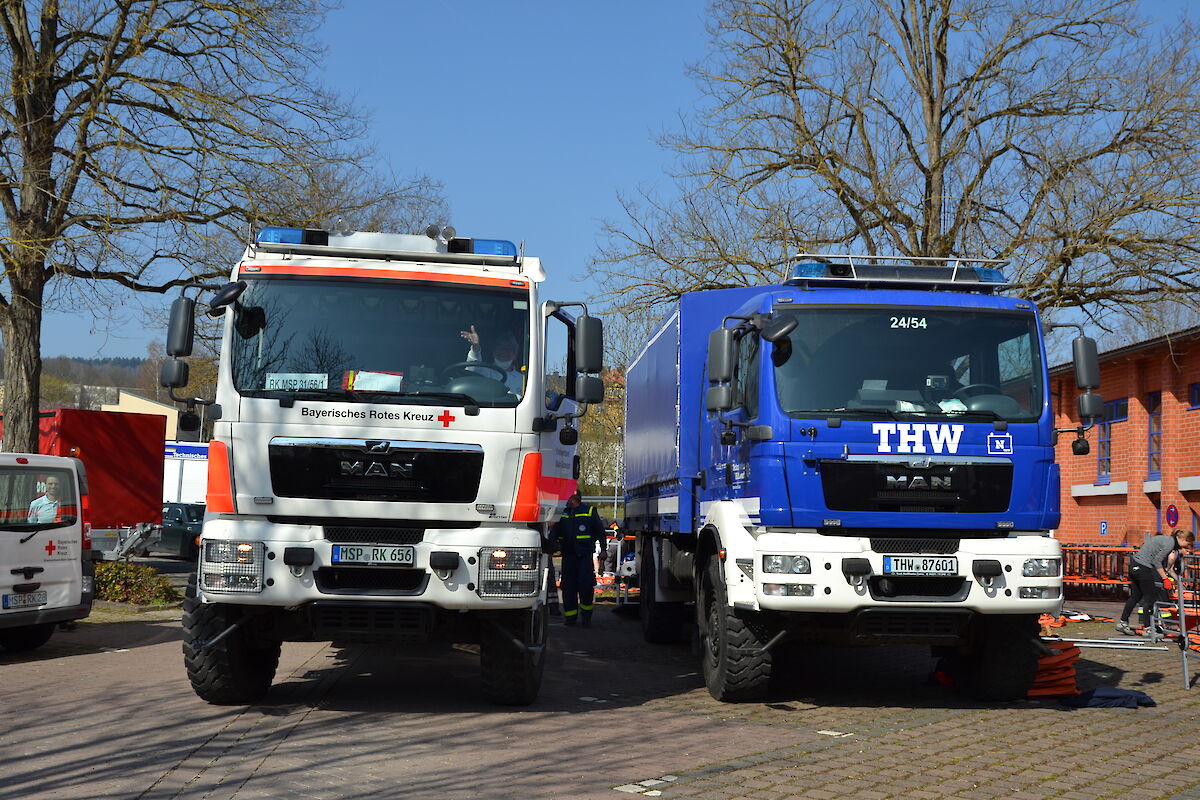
<point>534,115</point>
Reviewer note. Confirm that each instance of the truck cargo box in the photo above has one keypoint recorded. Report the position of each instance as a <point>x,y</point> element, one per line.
<point>659,463</point>
<point>123,454</point>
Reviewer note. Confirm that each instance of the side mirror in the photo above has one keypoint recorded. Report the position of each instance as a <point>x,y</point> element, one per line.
<point>1091,406</point>
<point>589,389</point>
<point>180,330</point>
<point>1087,363</point>
<point>778,328</point>
<point>589,344</point>
<point>719,398</point>
<point>173,374</point>
<point>224,297</point>
<point>188,421</point>
<point>1080,447</point>
<point>720,356</point>
<point>568,437</point>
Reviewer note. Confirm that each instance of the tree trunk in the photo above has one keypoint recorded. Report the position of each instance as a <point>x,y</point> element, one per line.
<point>21,325</point>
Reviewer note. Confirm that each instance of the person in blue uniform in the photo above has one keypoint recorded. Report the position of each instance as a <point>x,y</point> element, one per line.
<point>577,534</point>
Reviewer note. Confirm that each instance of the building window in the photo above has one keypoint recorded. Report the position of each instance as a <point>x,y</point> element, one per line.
<point>1194,395</point>
<point>1114,411</point>
<point>1154,436</point>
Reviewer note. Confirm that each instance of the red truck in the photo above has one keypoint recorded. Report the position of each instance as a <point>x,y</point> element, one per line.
<point>123,454</point>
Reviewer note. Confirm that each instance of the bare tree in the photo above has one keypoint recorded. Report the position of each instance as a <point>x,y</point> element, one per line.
<point>1055,133</point>
<point>134,134</point>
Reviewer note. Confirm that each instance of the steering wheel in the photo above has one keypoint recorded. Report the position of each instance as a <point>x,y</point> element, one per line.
<point>976,388</point>
<point>463,365</point>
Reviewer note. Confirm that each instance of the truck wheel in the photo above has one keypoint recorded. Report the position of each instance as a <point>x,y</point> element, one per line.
<point>234,671</point>
<point>1003,663</point>
<point>512,676</point>
<point>27,637</point>
<point>732,671</point>
<point>662,623</point>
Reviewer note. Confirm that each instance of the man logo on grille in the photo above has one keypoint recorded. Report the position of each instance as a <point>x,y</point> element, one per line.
<point>378,448</point>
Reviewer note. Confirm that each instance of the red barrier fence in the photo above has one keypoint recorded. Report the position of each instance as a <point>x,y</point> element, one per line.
<point>1098,572</point>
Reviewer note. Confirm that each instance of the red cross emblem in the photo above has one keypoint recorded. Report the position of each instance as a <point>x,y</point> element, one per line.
<point>446,418</point>
<point>50,548</point>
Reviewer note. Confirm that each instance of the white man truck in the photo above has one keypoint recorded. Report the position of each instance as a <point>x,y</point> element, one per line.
<point>388,453</point>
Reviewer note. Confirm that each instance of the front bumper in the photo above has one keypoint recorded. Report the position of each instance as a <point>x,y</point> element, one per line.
<point>847,575</point>
<point>456,588</point>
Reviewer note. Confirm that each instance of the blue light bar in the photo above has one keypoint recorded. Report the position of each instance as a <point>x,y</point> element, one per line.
<point>273,234</point>
<point>495,247</point>
<point>990,275</point>
<point>809,270</point>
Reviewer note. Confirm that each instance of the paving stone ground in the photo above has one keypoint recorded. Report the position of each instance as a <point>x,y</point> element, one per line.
<point>106,712</point>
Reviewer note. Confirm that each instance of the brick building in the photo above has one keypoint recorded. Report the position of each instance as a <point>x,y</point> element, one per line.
<point>1143,473</point>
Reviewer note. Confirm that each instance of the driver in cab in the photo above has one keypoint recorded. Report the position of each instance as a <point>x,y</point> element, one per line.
<point>503,365</point>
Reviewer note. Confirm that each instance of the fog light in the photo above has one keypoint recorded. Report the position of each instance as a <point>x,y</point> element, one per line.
<point>232,566</point>
<point>788,589</point>
<point>1041,568</point>
<point>789,565</point>
<point>1039,592</point>
<point>510,571</point>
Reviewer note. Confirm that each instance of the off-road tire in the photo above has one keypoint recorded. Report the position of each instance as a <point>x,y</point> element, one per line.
<point>662,623</point>
<point>1002,663</point>
<point>512,676</point>
<point>727,636</point>
<point>27,637</point>
<point>236,670</point>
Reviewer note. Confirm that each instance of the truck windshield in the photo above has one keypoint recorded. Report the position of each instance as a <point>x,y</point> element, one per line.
<point>932,362</point>
<point>36,498</point>
<point>381,341</point>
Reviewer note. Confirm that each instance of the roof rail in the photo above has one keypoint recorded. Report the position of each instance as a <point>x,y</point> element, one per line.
<point>926,272</point>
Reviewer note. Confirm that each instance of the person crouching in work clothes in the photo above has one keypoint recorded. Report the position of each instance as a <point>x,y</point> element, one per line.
<point>577,534</point>
<point>1149,575</point>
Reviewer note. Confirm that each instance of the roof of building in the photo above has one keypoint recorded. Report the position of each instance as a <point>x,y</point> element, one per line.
<point>1130,349</point>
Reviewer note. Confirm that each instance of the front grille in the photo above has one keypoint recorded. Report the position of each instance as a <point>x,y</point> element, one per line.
<point>349,470</point>
<point>343,534</point>
<point>895,486</point>
<point>900,625</point>
<point>371,580</point>
<point>932,547</point>
<point>363,622</point>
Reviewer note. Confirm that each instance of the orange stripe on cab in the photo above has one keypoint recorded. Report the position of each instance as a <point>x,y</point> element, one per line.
<point>219,497</point>
<point>528,506</point>
<point>374,272</point>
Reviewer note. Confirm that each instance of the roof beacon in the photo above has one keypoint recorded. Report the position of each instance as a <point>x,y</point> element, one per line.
<point>955,274</point>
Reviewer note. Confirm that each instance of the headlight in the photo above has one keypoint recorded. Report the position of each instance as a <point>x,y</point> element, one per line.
<point>1039,593</point>
<point>1041,568</point>
<point>788,589</point>
<point>232,566</point>
<point>787,565</point>
<point>509,571</point>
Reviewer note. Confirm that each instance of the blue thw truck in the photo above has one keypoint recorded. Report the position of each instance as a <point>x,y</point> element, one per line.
<point>863,454</point>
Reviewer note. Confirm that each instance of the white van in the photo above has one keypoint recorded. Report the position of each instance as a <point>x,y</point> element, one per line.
<point>46,568</point>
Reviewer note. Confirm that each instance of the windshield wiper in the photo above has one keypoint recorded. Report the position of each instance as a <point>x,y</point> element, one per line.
<point>975,412</point>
